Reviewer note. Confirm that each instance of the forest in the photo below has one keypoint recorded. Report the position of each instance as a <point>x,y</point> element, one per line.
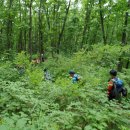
<point>44,44</point>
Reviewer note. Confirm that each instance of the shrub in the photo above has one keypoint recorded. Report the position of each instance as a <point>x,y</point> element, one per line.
<point>30,103</point>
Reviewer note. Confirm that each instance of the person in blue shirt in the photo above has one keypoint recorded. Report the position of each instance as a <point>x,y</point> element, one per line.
<point>47,75</point>
<point>75,77</point>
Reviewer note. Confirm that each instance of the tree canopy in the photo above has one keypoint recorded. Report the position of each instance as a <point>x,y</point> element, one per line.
<point>60,26</point>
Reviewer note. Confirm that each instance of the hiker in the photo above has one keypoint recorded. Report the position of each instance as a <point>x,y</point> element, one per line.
<point>36,61</point>
<point>75,77</point>
<point>115,86</point>
<point>42,57</point>
<point>47,75</point>
<point>20,69</point>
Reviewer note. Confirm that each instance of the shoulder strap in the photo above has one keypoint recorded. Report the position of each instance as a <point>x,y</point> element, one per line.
<point>114,84</point>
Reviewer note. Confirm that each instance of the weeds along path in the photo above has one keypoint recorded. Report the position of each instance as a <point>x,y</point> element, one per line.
<point>29,103</point>
<point>59,105</point>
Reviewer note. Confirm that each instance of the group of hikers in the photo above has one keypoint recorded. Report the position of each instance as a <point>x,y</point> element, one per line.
<point>115,88</point>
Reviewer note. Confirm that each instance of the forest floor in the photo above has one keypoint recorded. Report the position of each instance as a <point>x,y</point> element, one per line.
<point>28,102</point>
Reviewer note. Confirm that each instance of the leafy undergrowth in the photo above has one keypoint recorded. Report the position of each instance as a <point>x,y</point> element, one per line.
<point>29,103</point>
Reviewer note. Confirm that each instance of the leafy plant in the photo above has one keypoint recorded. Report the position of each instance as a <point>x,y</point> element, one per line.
<point>28,102</point>
<point>22,60</point>
<point>35,76</point>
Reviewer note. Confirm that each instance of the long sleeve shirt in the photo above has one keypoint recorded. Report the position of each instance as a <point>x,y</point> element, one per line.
<point>75,78</point>
<point>109,87</point>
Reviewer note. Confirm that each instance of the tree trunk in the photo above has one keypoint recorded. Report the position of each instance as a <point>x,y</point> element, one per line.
<point>25,31</point>
<point>127,64</point>
<point>20,45</point>
<point>47,16</point>
<point>124,30</point>
<point>95,34</point>
<point>30,29</point>
<point>25,40</point>
<point>63,27</point>
<point>9,27</point>
<point>112,33</point>
<point>120,65</point>
<point>87,19</point>
<point>124,41</point>
<point>102,22</point>
<point>40,32</point>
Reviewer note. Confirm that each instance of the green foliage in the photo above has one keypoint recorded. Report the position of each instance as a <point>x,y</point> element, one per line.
<point>35,76</point>
<point>22,60</point>
<point>30,103</point>
<point>82,21</point>
<point>7,72</point>
<point>35,56</point>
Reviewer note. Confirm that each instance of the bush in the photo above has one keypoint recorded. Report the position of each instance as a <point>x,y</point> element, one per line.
<point>8,73</point>
<point>30,103</point>
<point>35,76</point>
<point>22,60</point>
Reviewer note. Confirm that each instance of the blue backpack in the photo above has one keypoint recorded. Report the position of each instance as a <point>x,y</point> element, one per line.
<point>119,83</point>
<point>118,88</point>
<point>75,78</point>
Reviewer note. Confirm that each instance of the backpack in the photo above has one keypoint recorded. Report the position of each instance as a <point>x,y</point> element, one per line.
<point>117,88</point>
<point>118,83</point>
<point>77,77</point>
<point>124,92</point>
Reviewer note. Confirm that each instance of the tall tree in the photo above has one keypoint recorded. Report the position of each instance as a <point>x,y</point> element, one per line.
<point>20,42</point>
<point>40,30</point>
<point>30,29</point>
<point>9,25</point>
<point>87,19</point>
<point>55,25</point>
<point>63,27</point>
<point>124,41</point>
<point>102,21</point>
<point>25,26</point>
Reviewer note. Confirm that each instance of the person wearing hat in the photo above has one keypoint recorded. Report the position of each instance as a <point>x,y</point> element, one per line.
<point>75,77</point>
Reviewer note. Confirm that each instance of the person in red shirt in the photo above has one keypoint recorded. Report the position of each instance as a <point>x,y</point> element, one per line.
<point>110,87</point>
